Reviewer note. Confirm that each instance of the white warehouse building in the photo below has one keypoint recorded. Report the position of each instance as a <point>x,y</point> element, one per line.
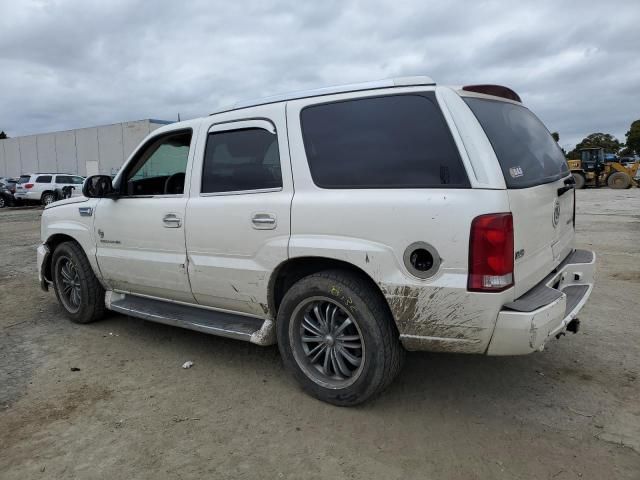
<point>84,151</point>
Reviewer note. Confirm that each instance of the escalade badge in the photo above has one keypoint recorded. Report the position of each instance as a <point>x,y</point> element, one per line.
<point>556,213</point>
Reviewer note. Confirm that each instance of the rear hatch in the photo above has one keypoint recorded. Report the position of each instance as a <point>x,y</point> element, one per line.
<point>21,182</point>
<point>538,184</point>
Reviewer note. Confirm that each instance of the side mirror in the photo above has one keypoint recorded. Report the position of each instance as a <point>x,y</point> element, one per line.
<point>98,186</point>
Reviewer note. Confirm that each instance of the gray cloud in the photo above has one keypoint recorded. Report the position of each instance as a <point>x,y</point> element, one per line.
<point>82,63</point>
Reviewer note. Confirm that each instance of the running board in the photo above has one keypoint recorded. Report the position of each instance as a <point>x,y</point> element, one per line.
<point>213,322</point>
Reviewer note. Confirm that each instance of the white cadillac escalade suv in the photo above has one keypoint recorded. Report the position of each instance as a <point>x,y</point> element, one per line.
<point>345,224</point>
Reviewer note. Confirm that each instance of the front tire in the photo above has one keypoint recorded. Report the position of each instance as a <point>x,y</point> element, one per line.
<point>337,337</point>
<point>619,180</point>
<point>76,286</point>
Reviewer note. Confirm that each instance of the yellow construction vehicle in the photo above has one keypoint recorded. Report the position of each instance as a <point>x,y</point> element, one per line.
<point>594,169</point>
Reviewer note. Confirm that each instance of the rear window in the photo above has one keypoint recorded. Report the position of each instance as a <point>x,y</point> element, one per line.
<point>24,179</point>
<point>43,179</point>
<point>399,141</point>
<point>527,153</point>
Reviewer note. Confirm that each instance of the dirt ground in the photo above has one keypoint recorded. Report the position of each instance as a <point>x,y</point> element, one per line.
<point>131,411</point>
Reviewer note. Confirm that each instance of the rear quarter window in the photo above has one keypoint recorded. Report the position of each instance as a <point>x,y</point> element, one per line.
<point>397,141</point>
<point>527,153</point>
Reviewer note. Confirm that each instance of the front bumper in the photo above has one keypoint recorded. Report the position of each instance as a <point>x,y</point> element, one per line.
<point>526,324</point>
<point>43,257</point>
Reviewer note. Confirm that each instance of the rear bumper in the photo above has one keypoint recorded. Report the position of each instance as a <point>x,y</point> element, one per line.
<point>28,196</point>
<point>526,324</point>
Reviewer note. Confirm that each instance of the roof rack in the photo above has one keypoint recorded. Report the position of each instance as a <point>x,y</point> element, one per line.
<point>353,87</point>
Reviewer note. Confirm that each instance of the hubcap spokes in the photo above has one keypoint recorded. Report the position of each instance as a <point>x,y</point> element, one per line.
<point>331,341</point>
<point>70,288</point>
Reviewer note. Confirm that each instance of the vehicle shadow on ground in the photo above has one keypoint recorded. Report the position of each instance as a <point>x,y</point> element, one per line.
<point>428,380</point>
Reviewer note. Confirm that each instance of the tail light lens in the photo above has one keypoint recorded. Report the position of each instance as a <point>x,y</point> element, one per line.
<point>491,253</point>
<point>28,185</point>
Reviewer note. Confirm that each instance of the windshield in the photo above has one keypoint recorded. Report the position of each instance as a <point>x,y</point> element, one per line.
<point>527,153</point>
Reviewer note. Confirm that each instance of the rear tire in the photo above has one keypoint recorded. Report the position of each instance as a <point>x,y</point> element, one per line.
<point>3,202</point>
<point>48,198</point>
<point>619,180</point>
<point>580,180</point>
<point>339,318</point>
<point>76,286</point>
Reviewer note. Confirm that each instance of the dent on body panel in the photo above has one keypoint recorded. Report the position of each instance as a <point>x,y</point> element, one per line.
<point>440,312</point>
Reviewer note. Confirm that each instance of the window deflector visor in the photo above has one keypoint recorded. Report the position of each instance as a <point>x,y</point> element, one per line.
<point>244,124</point>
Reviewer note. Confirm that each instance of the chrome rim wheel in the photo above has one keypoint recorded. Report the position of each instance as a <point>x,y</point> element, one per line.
<point>48,199</point>
<point>68,284</point>
<point>327,342</point>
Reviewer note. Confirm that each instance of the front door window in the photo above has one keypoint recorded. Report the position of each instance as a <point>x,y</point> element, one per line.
<point>160,167</point>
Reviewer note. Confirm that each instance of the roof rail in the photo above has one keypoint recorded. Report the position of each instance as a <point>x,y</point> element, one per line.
<point>353,87</point>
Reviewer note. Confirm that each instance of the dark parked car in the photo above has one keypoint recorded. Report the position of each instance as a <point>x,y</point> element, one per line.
<point>6,195</point>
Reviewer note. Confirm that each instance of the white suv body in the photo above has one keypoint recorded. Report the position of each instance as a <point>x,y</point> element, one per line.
<point>42,187</point>
<point>427,207</point>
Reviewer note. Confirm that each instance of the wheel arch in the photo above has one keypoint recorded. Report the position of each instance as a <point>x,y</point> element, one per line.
<point>52,243</point>
<point>294,269</point>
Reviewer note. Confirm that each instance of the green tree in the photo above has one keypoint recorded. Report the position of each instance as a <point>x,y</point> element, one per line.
<point>633,138</point>
<point>3,135</point>
<point>604,140</point>
<point>556,137</point>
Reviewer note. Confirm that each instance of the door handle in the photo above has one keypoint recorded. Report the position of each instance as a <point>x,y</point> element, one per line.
<point>171,220</point>
<point>263,221</point>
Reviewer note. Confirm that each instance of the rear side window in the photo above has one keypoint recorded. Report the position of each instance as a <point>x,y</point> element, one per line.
<point>399,141</point>
<point>43,179</point>
<point>68,179</point>
<point>240,160</point>
<point>527,153</point>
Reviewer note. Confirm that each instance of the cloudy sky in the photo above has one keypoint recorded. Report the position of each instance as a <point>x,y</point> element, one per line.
<point>79,63</point>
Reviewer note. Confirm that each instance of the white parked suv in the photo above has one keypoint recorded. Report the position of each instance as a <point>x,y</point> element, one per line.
<point>345,224</point>
<point>46,188</point>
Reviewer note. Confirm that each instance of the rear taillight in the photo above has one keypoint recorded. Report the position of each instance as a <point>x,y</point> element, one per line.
<point>28,185</point>
<point>491,253</point>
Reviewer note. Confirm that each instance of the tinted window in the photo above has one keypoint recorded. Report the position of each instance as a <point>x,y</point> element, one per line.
<point>63,179</point>
<point>160,167</point>
<point>398,141</point>
<point>527,152</point>
<point>238,160</point>
<point>43,179</point>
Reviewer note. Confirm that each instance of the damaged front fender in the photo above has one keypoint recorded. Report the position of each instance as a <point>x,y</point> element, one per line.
<point>44,273</point>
